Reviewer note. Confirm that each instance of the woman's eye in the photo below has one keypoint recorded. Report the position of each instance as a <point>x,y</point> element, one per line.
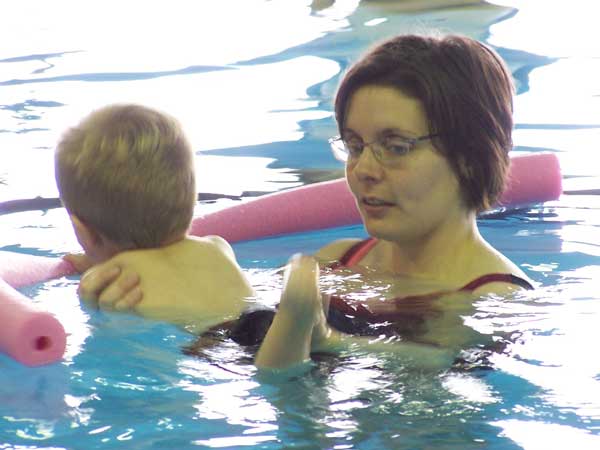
<point>354,147</point>
<point>397,146</point>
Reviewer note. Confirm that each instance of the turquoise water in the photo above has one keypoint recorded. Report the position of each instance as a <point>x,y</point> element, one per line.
<point>252,82</point>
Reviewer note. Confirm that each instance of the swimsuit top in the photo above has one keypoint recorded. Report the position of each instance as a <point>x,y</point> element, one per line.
<point>398,316</point>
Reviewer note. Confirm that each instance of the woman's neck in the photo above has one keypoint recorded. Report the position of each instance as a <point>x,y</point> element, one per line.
<point>443,254</point>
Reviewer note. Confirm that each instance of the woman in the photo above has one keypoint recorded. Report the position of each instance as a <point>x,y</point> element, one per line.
<point>425,129</point>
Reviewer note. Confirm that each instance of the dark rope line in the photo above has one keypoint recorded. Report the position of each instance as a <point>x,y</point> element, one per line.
<point>582,192</point>
<point>45,203</point>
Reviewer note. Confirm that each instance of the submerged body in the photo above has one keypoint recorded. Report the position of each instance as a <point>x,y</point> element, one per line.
<point>407,308</point>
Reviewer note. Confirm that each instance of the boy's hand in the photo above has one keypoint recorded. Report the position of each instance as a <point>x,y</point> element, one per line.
<point>78,260</point>
<point>111,287</point>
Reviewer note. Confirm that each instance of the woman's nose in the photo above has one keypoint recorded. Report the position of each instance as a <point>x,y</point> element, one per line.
<point>368,167</point>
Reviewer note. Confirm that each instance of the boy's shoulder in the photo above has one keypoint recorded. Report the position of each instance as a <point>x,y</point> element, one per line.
<point>198,249</point>
<point>194,281</point>
<point>213,243</point>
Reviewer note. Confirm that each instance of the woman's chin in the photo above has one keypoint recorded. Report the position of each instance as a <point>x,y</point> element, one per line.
<point>386,231</point>
<point>379,229</point>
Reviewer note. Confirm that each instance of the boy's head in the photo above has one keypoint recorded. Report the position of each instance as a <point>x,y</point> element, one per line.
<point>126,174</point>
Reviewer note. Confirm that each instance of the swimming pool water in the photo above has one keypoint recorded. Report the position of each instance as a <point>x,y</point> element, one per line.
<point>257,107</point>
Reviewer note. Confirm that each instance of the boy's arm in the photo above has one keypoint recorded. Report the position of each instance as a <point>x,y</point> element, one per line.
<point>111,286</point>
<point>79,261</point>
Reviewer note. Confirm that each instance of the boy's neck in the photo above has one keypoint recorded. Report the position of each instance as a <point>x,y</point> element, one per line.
<point>174,240</point>
<point>109,249</point>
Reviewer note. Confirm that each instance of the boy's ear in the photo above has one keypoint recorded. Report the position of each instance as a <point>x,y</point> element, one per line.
<point>86,235</point>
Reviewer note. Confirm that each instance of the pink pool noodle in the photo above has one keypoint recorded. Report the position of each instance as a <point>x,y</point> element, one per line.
<point>29,335</point>
<point>532,178</point>
<point>20,269</point>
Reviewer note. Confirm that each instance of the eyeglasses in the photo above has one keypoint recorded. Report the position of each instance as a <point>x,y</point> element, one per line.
<point>387,149</point>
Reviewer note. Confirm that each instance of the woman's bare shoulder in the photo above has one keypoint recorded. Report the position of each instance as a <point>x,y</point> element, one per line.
<point>504,288</point>
<point>496,262</point>
<point>335,250</point>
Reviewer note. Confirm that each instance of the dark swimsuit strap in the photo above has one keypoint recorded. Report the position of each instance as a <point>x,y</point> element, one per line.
<point>494,278</point>
<point>359,250</point>
<point>354,254</point>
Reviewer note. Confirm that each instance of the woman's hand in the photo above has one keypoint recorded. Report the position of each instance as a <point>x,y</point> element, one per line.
<point>111,287</point>
<point>299,324</point>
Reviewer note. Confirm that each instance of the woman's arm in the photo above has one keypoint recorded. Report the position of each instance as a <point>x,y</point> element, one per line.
<point>300,322</point>
<point>300,327</point>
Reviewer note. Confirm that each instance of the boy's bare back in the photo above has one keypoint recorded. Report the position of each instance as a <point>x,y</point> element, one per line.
<point>195,282</point>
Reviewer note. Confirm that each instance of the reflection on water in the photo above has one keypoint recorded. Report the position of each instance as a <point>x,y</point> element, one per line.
<point>577,20</point>
<point>536,435</point>
<point>257,93</point>
<point>359,398</point>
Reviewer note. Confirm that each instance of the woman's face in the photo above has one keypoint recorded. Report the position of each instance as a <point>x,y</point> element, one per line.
<point>417,194</point>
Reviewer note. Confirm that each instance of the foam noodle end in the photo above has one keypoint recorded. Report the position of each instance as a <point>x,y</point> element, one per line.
<point>534,178</point>
<point>29,335</point>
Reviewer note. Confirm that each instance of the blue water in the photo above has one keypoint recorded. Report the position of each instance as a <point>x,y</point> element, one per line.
<point>252,82</point>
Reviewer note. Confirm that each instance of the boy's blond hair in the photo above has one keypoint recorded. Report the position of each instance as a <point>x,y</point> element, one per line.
<point>128,172</point>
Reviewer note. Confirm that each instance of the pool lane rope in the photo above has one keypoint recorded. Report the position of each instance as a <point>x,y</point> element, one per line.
<point>35,337</point>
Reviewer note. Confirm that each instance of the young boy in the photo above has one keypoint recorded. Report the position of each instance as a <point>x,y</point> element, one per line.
<point>125,174</point>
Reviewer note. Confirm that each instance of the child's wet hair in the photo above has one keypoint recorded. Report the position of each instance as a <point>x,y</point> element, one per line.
<point>128,171</point>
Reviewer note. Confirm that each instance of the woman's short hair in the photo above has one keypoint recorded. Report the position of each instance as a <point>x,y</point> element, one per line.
<point>467,93</point>
<point>128,171</point>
